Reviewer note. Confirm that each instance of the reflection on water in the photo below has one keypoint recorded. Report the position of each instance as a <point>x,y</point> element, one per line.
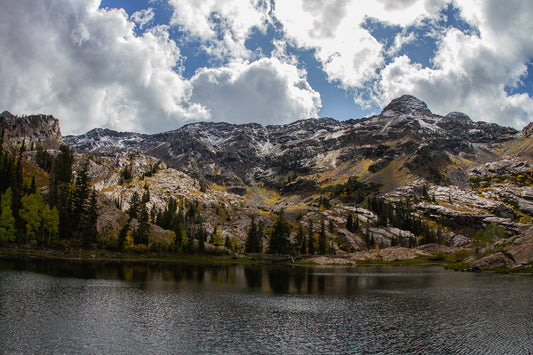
<point>68,307</point>
<point>274,278</point>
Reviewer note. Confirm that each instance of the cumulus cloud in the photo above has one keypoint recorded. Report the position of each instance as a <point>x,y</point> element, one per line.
<point>266,91</point>
<point>350,55</point>
<point>143,17</point>
<point>222,26</point>
<point>86,66</point>
<point>90,67</point>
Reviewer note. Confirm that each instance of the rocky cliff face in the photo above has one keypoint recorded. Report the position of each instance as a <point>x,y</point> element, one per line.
<point>34,129</point>
<point>528,130</point>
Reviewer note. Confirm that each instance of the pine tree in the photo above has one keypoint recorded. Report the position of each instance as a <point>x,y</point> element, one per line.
<point>33,187</point>
<point>6,171</point>
<point>133,211</point>
<point>310,239</point>
<point>122,234</point>
<point>279,239</point>
<point>349,223</point>
<point>254,242</point>
<point>201,239</point>
<point>300,238</point>
<point>227,243</point>
<point>260,236</point>
<point>43,159</point>
<point>62,172</point>
<point>80,196</point>
<point>146,196</point>
<point>61,190</point>
<point>89,231</point>
<point>331,226</point>
<point>141,235</point>
<point>322,240</point>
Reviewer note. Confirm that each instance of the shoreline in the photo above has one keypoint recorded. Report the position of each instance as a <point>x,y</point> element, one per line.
<point>100,256</point>
<point>83,255</point>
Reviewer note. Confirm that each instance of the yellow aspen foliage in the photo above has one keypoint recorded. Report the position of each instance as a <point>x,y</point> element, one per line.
<point>128,242</point>
<point>171,238</point>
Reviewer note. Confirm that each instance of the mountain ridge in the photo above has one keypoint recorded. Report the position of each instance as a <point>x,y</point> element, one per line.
<point>248,153</point>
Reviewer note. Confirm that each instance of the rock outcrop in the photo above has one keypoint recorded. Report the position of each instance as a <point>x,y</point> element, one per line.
<point>522,250</point>
<point>33,129</point>
<point>527,131</point>
<point>493,261</point>
<point>388,254</point>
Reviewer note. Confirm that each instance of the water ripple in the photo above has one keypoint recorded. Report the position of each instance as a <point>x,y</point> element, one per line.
<point>262,310</point>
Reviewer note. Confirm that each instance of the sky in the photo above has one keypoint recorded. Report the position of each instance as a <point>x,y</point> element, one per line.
<point>155,65</point>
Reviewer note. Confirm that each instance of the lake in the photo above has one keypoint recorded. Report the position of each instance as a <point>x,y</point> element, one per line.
<point>69,307</point>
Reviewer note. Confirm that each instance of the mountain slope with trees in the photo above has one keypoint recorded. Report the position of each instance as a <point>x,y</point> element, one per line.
<point>402,179</point>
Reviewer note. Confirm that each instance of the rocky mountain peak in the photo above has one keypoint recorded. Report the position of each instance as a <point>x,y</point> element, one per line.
<point>6,114</point>
<point>527,131</point>
<point>406,105</point>
<point>459,116</point>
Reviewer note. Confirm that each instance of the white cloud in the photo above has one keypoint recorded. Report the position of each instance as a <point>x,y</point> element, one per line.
<point>221,25</point>
<point>349,54</point>
<point>266,91</point>
<point>143,17</point>
<point>86,66</point>
<point>471,72</point>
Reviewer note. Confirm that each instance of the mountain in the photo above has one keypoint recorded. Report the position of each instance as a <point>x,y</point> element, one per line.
<point>407,176</point>
<point>405,139</point>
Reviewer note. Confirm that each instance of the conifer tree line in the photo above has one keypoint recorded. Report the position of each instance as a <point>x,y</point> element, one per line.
<point>279,239</point>
<point>66,215</point>
<point>254,240</point>
<point>186,224</point>
<point>308,242</point>
<point>401,216</point>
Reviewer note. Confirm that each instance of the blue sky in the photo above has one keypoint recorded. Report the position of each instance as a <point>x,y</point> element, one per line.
<point>154,65</point>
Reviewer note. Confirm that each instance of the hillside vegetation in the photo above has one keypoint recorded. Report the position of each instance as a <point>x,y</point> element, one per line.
<point>400,185</point>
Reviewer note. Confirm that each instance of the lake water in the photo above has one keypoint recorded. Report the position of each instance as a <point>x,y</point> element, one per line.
<point>58,307</point>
